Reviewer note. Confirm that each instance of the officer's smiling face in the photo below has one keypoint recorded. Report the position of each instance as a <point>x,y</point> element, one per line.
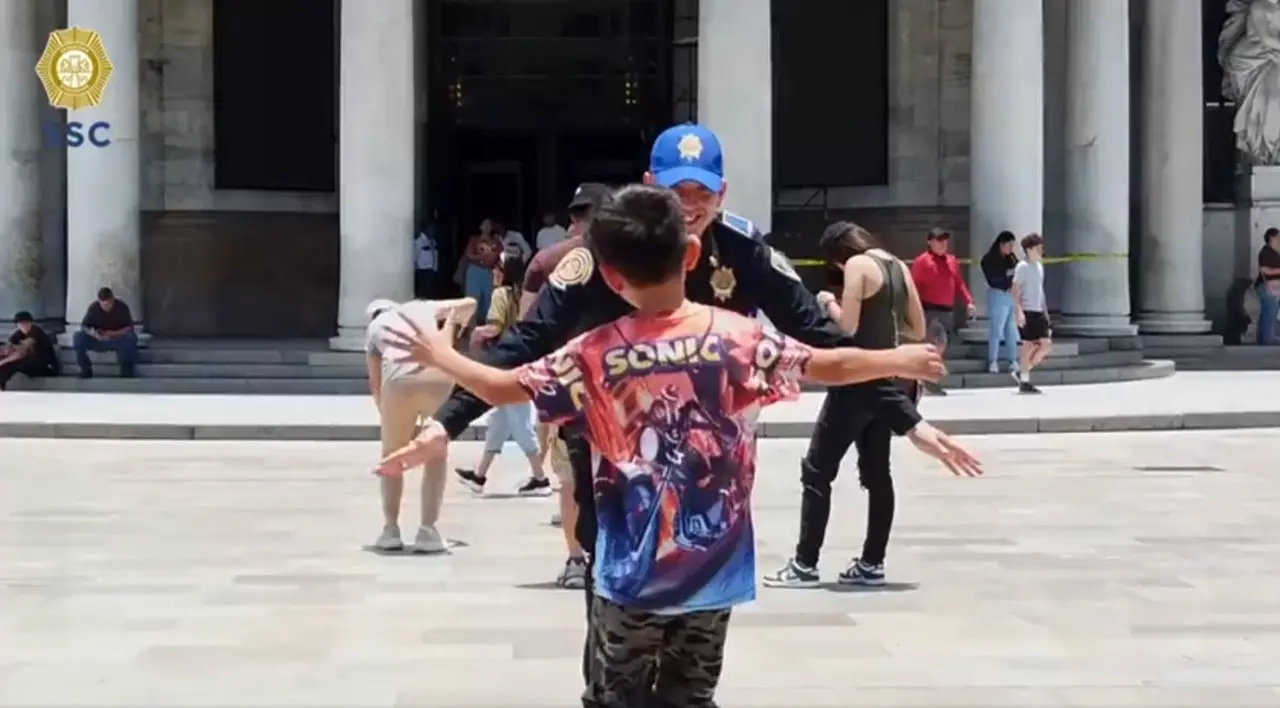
<point>700,205</point>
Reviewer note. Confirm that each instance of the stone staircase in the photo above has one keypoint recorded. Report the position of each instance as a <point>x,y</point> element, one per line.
<point>307,367</point>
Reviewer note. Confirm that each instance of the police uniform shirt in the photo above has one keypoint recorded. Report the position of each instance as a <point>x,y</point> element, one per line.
<point>737,271</point>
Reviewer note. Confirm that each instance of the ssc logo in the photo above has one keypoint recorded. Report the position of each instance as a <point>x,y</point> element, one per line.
<point>74,68</point>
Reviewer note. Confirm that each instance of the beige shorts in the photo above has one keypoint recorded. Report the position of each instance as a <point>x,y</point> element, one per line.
<point>557,455</point>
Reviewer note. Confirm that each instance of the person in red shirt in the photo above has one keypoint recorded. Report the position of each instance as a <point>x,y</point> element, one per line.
<point>938,279</point>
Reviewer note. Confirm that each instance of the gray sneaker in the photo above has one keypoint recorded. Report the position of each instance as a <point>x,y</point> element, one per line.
<point>574,574</point>
<point>389,539</point>
<point>793,575</point>
<point>429,540</point>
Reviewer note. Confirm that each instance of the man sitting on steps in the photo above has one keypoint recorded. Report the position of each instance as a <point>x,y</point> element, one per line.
<point>29,351</point>
<point>107,327</point>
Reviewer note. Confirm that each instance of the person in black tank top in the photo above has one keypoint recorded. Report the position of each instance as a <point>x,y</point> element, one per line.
<point>880,306</point>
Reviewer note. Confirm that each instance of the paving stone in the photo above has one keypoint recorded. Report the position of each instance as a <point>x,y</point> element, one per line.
<point>1094,569</point>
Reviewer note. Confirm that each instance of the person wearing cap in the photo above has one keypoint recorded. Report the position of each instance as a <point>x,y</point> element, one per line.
<point>405,394</point>
<point>736,271</point>
<point>566,450</point>
<point>29,351</point>
<point>936,273</point>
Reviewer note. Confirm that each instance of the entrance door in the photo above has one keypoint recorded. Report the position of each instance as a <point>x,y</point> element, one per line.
<point>494,190</point>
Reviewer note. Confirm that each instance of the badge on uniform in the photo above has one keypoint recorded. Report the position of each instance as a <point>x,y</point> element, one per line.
<point>782,264</point>
<point>723,283</point>
<point>574,269</point>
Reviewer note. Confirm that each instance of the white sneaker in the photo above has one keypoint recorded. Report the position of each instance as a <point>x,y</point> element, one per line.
<point>390,539</point>
<point>993,368</point>
<point>429,540</point>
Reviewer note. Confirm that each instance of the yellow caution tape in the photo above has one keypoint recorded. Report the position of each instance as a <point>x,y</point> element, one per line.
<point>1050,260</point>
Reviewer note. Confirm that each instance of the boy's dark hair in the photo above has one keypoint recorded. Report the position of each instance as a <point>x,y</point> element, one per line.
<point>1030,241</point>
<point>23,317</point>
<point>639,232</point>
<point>843,240</point>
<point>105,294</point>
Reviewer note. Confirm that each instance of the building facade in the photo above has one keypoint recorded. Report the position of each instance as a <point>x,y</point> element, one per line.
<point>1081,119</point>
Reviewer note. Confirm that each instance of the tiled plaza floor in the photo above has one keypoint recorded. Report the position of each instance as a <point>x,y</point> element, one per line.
<point>1115,569</point>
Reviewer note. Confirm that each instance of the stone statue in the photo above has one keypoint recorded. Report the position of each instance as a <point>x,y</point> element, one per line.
<point>1249,52</point>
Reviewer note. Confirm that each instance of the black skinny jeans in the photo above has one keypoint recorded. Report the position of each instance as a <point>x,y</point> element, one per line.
<point>836,430</point>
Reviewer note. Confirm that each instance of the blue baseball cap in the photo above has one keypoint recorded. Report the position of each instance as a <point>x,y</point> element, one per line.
<point>687,153</point>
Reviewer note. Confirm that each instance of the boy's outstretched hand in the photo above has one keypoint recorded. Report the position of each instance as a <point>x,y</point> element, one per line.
<point>420,346</point>
<point>920,361</point>
<point>431,444</point>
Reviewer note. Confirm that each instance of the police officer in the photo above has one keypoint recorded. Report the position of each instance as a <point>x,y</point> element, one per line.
<point>737,271</point>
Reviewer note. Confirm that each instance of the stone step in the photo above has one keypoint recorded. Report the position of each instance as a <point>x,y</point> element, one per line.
<point>106,365</point>
<point>110,368</point>
<point>109,383</point>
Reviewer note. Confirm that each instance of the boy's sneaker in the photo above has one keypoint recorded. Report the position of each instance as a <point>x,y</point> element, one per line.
<point>792,575</point>
<point>859,573</point>
<point>471,480</point>
<point>1026,387</point>
<point>535,487</point>
<point>389,539</point>
<point>429,540</point>
<point>574,575</point>
<point>1017,377</point>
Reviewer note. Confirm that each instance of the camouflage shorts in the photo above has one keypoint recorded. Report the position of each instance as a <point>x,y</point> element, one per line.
<point>645,659</point>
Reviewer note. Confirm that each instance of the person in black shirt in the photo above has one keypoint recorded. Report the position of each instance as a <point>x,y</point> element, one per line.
<point>1002,320</point>
<point>880,306</point>
<point>29,351</point>
<point>107,327</point>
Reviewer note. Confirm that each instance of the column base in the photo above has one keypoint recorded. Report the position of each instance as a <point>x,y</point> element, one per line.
<point>1173,323</point>
<point>65,336</point>
<point>348,339</point>
<point>1095,326</point>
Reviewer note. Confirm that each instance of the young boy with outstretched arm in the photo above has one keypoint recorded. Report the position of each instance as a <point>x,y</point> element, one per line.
<point>664,397</point>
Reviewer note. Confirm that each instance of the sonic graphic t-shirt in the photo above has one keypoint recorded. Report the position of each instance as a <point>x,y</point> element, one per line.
<point>666,402</point>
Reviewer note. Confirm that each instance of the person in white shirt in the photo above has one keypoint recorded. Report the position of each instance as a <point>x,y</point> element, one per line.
<point>513,242</point>
<point>551,233</point>
<point>426,261</point>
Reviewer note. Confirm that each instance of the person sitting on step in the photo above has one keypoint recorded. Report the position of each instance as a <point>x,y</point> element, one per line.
<point>107,327</point>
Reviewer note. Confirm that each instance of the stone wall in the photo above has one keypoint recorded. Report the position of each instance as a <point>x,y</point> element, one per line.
<point>234,263</point>
<point>929,53</point>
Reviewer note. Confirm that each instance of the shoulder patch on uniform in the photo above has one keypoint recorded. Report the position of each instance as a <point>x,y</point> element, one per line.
<point>574,269</point>
<point>741,224</point>
<point>782,264</point>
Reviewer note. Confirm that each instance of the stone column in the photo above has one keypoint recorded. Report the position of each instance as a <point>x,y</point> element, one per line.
<point>1172,286</point>
<point>21,242</point>
<point>1006,159</point>
<point>735,99</point>
<point>1095,293</point>
<point>376,161</point>
<point>104,183</point>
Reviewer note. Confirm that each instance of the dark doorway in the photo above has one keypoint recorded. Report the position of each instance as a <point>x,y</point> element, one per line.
<point>528,98</point>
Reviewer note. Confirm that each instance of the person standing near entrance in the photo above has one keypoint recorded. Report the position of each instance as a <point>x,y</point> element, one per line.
<point>551,232</point>
<point>475,268</point>
<point>513,242</point>
<point>937,277</point>
<point>998,267</point>
<point>426,262</point>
